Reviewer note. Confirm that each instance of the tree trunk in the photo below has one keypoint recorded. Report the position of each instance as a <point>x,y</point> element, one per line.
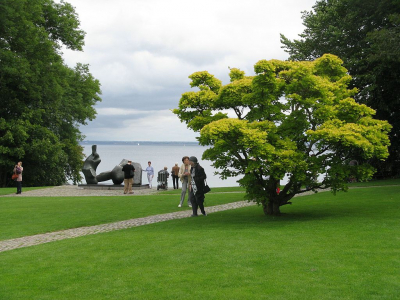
<point>276,209</point>
<point>271,208</point>
<point>266,208</point>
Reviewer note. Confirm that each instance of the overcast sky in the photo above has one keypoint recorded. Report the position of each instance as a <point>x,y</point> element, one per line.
<point>143,51</point>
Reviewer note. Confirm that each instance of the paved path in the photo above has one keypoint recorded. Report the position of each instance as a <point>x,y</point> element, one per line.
<point>69,191</point>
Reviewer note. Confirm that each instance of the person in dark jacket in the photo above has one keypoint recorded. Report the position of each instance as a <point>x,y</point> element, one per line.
<point>129,172</point>
<point>174,174</point>
<point>196,188</point>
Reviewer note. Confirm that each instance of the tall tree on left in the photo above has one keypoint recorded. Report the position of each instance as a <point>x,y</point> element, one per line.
<point>43,101</point>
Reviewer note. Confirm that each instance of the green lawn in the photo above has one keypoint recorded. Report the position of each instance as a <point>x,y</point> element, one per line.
<point>384,182</point>
<point>323,247</point>
<point>13,190</point>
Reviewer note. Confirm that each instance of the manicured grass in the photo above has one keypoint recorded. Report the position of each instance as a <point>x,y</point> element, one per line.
<point>13,190</point>
<point>323,247</point>
<point>22,216</point>
<point>383,182</point>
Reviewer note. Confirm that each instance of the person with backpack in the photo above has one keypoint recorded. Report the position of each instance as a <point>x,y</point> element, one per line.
<point>129,173</point>
<point>18,170</point>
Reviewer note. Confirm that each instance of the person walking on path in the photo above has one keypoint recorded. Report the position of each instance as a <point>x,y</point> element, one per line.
<point>175,176</point>
<point>129,173</point>
<point>150,174</point>
<point>197,186</point>
<point>18,170</point>
<point>184,175</point>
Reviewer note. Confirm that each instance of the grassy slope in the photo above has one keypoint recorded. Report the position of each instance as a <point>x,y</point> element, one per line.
<point>324,247</point>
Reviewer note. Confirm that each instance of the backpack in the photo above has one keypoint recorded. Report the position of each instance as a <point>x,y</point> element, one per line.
<point>18,170</point>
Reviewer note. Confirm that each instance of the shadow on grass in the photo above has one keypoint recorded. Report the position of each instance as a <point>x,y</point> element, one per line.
<point>363,205</point>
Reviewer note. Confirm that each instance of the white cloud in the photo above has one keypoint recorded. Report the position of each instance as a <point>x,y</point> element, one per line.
<point>143,51</point>
<point>160,125</point>
<point>113,111</point>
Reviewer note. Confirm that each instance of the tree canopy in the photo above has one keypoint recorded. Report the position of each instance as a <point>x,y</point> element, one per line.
<point>43,101</point>
<point>298,119</point>
<point>366,35</point>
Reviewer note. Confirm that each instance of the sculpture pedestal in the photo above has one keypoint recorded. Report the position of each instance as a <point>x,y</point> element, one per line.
<point>111,186</point>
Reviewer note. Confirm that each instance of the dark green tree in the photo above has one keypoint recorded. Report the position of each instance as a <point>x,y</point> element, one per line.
<point>365,34</point>
<point>43,101</point>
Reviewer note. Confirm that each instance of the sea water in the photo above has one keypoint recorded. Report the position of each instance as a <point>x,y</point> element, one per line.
<point>161,154</point>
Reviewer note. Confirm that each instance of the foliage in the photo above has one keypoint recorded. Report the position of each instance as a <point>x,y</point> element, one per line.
<point>366,35</point>
<point>43,100</point>
<point>295,118</point>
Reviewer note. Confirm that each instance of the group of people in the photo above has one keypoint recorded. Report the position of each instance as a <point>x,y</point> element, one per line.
<point>129,173</point>
<point>191,175</point>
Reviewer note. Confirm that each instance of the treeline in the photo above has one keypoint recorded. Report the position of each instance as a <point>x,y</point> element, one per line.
<point>43,101</point>
<point>365,34</point>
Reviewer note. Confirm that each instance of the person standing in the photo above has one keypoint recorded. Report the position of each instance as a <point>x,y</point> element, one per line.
<point>175,176</point>
<point>18,170</point>
<point>197,186</point>
<point>129,173</point>
<point>150,173</point>
<point>184,175</point>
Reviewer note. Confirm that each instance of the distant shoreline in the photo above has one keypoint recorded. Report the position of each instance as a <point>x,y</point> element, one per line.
<point>138,143</point>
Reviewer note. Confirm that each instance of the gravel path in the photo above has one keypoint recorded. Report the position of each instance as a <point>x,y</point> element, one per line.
<point>75,191</point>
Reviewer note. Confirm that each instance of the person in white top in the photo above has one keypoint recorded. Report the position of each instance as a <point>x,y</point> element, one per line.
<point>150,174</point>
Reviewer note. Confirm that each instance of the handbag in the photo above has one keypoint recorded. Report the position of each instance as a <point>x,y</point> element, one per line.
<point>14,176</point>
<point>206,187</point>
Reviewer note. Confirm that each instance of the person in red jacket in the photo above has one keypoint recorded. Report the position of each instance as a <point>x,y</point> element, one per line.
<point>18,170</point>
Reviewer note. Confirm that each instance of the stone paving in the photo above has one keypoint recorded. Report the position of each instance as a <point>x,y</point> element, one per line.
<point>38,239</point>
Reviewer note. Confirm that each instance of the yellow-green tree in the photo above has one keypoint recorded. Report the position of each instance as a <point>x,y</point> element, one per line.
<point>295,118</point>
